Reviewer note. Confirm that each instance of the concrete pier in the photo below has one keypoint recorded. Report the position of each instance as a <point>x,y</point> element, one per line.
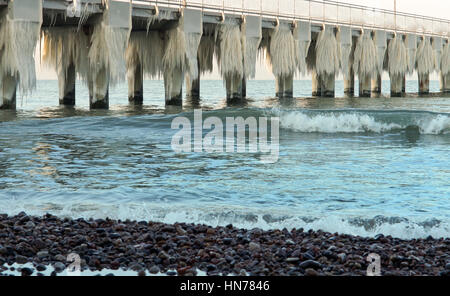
<point>396,86</point>
<point>328,85</point>
<point>135,77</point>
<point>173,86</point>
<point>66,83</point>
<point>193,85</point>
<point>445,83</point>
<point>233,85</point>
<point>316,84</point>
<point>284,87</point>
<point>8,92</point>
<point>349,84</point>
<point>376,85</point>
<point>424,84</point>
<point>98,85</point>
<point>365,87</point>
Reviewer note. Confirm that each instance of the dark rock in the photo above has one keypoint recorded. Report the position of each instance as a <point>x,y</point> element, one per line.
<point>26,271</point>
<point>311,272</point>
<point>310,264</point>
<point>154,269</point>
<point>59,267</point>
<point>21,259</point>
<point>41,267</point>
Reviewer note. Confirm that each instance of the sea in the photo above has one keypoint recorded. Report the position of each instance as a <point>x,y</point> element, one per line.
<point>359,166</point>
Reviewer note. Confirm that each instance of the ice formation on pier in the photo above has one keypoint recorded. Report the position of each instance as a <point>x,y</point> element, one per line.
<point>327,55</point>
<point>345,53</point>
<point>445,60</point>
<point>301,48</point>
<point>229,52</point>
<point>64,47</point>
<point>281,54</point>
<point>425,60</point>
<point>411,47</point>
<point>380,42</point>
<point>366,59</point>
<point>107,51</point>
<point>398,63</point>
<point>206,48</point>
<point>18,39</point>
<point>250,47</point>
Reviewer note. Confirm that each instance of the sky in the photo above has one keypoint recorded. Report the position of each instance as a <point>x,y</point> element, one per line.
<point>432,8</point>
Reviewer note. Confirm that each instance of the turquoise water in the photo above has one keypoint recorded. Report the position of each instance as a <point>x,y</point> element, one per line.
<point>360,166</point>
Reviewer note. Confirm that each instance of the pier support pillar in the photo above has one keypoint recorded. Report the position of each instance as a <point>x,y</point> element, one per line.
<point>328,84</point>
<point>349,84</point>
<point>66,82</point>
<point>99,90</point>
<point>396,85</point>
<point>233,85</point>
<point>8,92</point>
<point>244,88</point>
<point>376,85</point>
<point>136,85</point>
<point>445,83</point>
<point>193,85</point>
<point>316,84</point>
<point>424,84</point>
<point>284,87</point>
<point>404,85</point>
<point>173,85</point>
<point>365,87</point>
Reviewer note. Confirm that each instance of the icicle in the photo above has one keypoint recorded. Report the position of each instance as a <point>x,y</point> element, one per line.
<point>365,63</point>
<point>425,59</point>
<point>282,55</point>
<point>18,41</point>
<point>327,56</point>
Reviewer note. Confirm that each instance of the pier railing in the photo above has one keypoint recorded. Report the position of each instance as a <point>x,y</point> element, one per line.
<point>321,11</point>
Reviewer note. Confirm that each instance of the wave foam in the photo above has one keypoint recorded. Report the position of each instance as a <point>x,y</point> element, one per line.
<point>247,218</point>
<point>332,122</point>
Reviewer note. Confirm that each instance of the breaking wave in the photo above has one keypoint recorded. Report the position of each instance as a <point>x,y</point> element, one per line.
<point>242,217</point>
<point>359,122</point>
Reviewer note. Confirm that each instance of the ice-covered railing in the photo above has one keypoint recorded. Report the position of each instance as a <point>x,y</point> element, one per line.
<point>317,11</point>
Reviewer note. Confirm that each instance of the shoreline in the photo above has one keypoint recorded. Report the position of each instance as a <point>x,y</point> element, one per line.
<point>158,248</point>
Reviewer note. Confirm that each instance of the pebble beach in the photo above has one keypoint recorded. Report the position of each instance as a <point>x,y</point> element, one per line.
<point>147,248</point>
